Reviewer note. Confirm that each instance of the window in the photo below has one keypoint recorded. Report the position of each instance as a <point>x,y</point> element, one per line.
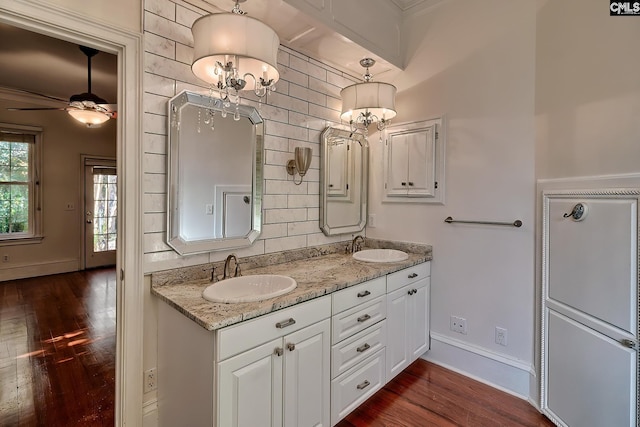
<point>19,183</point>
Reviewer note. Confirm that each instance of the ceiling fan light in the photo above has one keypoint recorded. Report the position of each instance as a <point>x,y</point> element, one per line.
<point>89,117</point>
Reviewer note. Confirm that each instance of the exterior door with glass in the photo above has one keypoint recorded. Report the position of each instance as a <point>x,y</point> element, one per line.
<point>100,212</point>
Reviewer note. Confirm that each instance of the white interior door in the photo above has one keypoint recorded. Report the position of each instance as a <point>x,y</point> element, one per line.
<point>100,213</point>
<point>590,309</point>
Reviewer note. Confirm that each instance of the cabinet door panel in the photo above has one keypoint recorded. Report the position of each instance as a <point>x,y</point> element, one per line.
<point>307,376</point>
<point>398,162</point>
<point>591,378</point>
<point>398,321</point>
<point>419,309</point>
<point>421,174</point>
<point>250,388</point>
<point>584,272</point>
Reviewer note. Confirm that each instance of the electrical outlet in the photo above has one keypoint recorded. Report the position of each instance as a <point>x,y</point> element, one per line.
<point>5,258</point>
<point>372,221</point>
<point>501,336</point>
<point>458,324</point>
<point>150,380</point>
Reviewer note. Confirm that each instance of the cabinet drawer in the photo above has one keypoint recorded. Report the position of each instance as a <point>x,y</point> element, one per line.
<point>243,336</point>
<point>352,388</point>
<point>408,275</point>
<point>353,350</point>
<point>354,320</point>
<point>364,292</point>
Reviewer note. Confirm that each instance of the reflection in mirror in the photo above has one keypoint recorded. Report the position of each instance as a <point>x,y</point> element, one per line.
<point>214,193</point>
<point>343,181</point>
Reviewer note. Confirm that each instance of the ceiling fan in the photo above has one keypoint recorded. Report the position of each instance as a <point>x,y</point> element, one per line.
<point>87,107</point>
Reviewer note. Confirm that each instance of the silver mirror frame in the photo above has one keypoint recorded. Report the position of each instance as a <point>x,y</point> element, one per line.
<point>187,247</point>
<point>325,137</point>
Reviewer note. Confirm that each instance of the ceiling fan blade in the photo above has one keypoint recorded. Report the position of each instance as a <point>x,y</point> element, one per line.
<point>35,109</point>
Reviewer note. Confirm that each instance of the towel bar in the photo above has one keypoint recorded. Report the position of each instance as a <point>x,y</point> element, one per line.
<point>516,223</point>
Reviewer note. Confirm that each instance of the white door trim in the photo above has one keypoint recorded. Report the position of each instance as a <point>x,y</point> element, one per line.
<point>58,22</point>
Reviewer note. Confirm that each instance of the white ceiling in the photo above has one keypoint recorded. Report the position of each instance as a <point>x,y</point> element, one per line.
<point>53,67</point>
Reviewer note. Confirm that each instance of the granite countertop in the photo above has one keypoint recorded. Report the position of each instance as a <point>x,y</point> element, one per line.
<point>318,271</point>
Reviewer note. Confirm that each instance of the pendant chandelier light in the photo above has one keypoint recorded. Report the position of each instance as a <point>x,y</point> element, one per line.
<point>234,52</point>
<point>368,102</point>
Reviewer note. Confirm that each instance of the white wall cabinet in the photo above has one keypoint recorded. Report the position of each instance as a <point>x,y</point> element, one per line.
<point>407,317</point>
<point>414,162</point>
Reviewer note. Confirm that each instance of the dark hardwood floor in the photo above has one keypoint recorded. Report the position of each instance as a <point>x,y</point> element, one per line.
<point>57,367</point>
<point>429,395</point>
<point>57,350</point>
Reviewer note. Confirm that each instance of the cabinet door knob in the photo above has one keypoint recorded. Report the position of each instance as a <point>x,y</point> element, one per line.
<point>415,291</point>
<point>363,385</point>
<point>286,323</point>
<point>363,294</point>
<point>364,318</point>
<point>628,343</point>
<point>412,275</point>
<point>410,183</point>
<point>278,351</point>
<point>364,347</point>
<point>410,292</point>
<point>404,184</point>
<point>291,346</point>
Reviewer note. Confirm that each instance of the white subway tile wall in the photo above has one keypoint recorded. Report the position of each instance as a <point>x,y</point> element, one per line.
<point>307,100</point>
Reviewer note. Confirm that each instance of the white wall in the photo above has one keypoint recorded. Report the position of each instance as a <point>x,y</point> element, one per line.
<point>474,63</point>
<point>587,91</point>
<point>117,13</point>
<point>64,140</point>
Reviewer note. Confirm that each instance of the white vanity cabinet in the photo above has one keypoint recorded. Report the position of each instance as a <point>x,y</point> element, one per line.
<point>407,317</point>
<point>281,382</point>
<point>358,338</point>
<point>270,371</point>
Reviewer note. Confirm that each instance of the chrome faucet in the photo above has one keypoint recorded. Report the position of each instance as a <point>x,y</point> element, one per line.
<point>356,243</point>
<point>225,272</point>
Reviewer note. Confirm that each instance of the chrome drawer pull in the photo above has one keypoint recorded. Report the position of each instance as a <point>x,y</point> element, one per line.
<point>286,323</point>
<point>363,385</point>
<point>364,318</point>
<point>291,346</point>
<point>363,348</point>
<point>363,294</point>
<point>278,351</point>
<point>412,275</point>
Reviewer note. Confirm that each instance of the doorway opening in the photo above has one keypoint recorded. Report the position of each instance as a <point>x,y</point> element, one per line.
<point>100,212</point>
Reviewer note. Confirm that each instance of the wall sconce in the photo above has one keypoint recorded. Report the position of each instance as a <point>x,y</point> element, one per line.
<point>300,163</point>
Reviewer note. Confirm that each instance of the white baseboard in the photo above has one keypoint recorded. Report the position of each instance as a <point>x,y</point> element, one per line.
<point>499,371</point>
<point>39,269</point>
<point>150,413</point>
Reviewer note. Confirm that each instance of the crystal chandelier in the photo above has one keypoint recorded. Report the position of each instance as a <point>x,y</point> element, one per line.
<point>368,102</point>
<point>234,52</point>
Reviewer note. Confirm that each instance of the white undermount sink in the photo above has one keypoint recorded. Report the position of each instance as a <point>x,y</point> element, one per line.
<point>254,288</point>
<point>380,255</point>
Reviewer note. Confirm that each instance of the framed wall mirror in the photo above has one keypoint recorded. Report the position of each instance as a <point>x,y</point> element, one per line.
<point>343,181</point>
<point>214,193</point>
